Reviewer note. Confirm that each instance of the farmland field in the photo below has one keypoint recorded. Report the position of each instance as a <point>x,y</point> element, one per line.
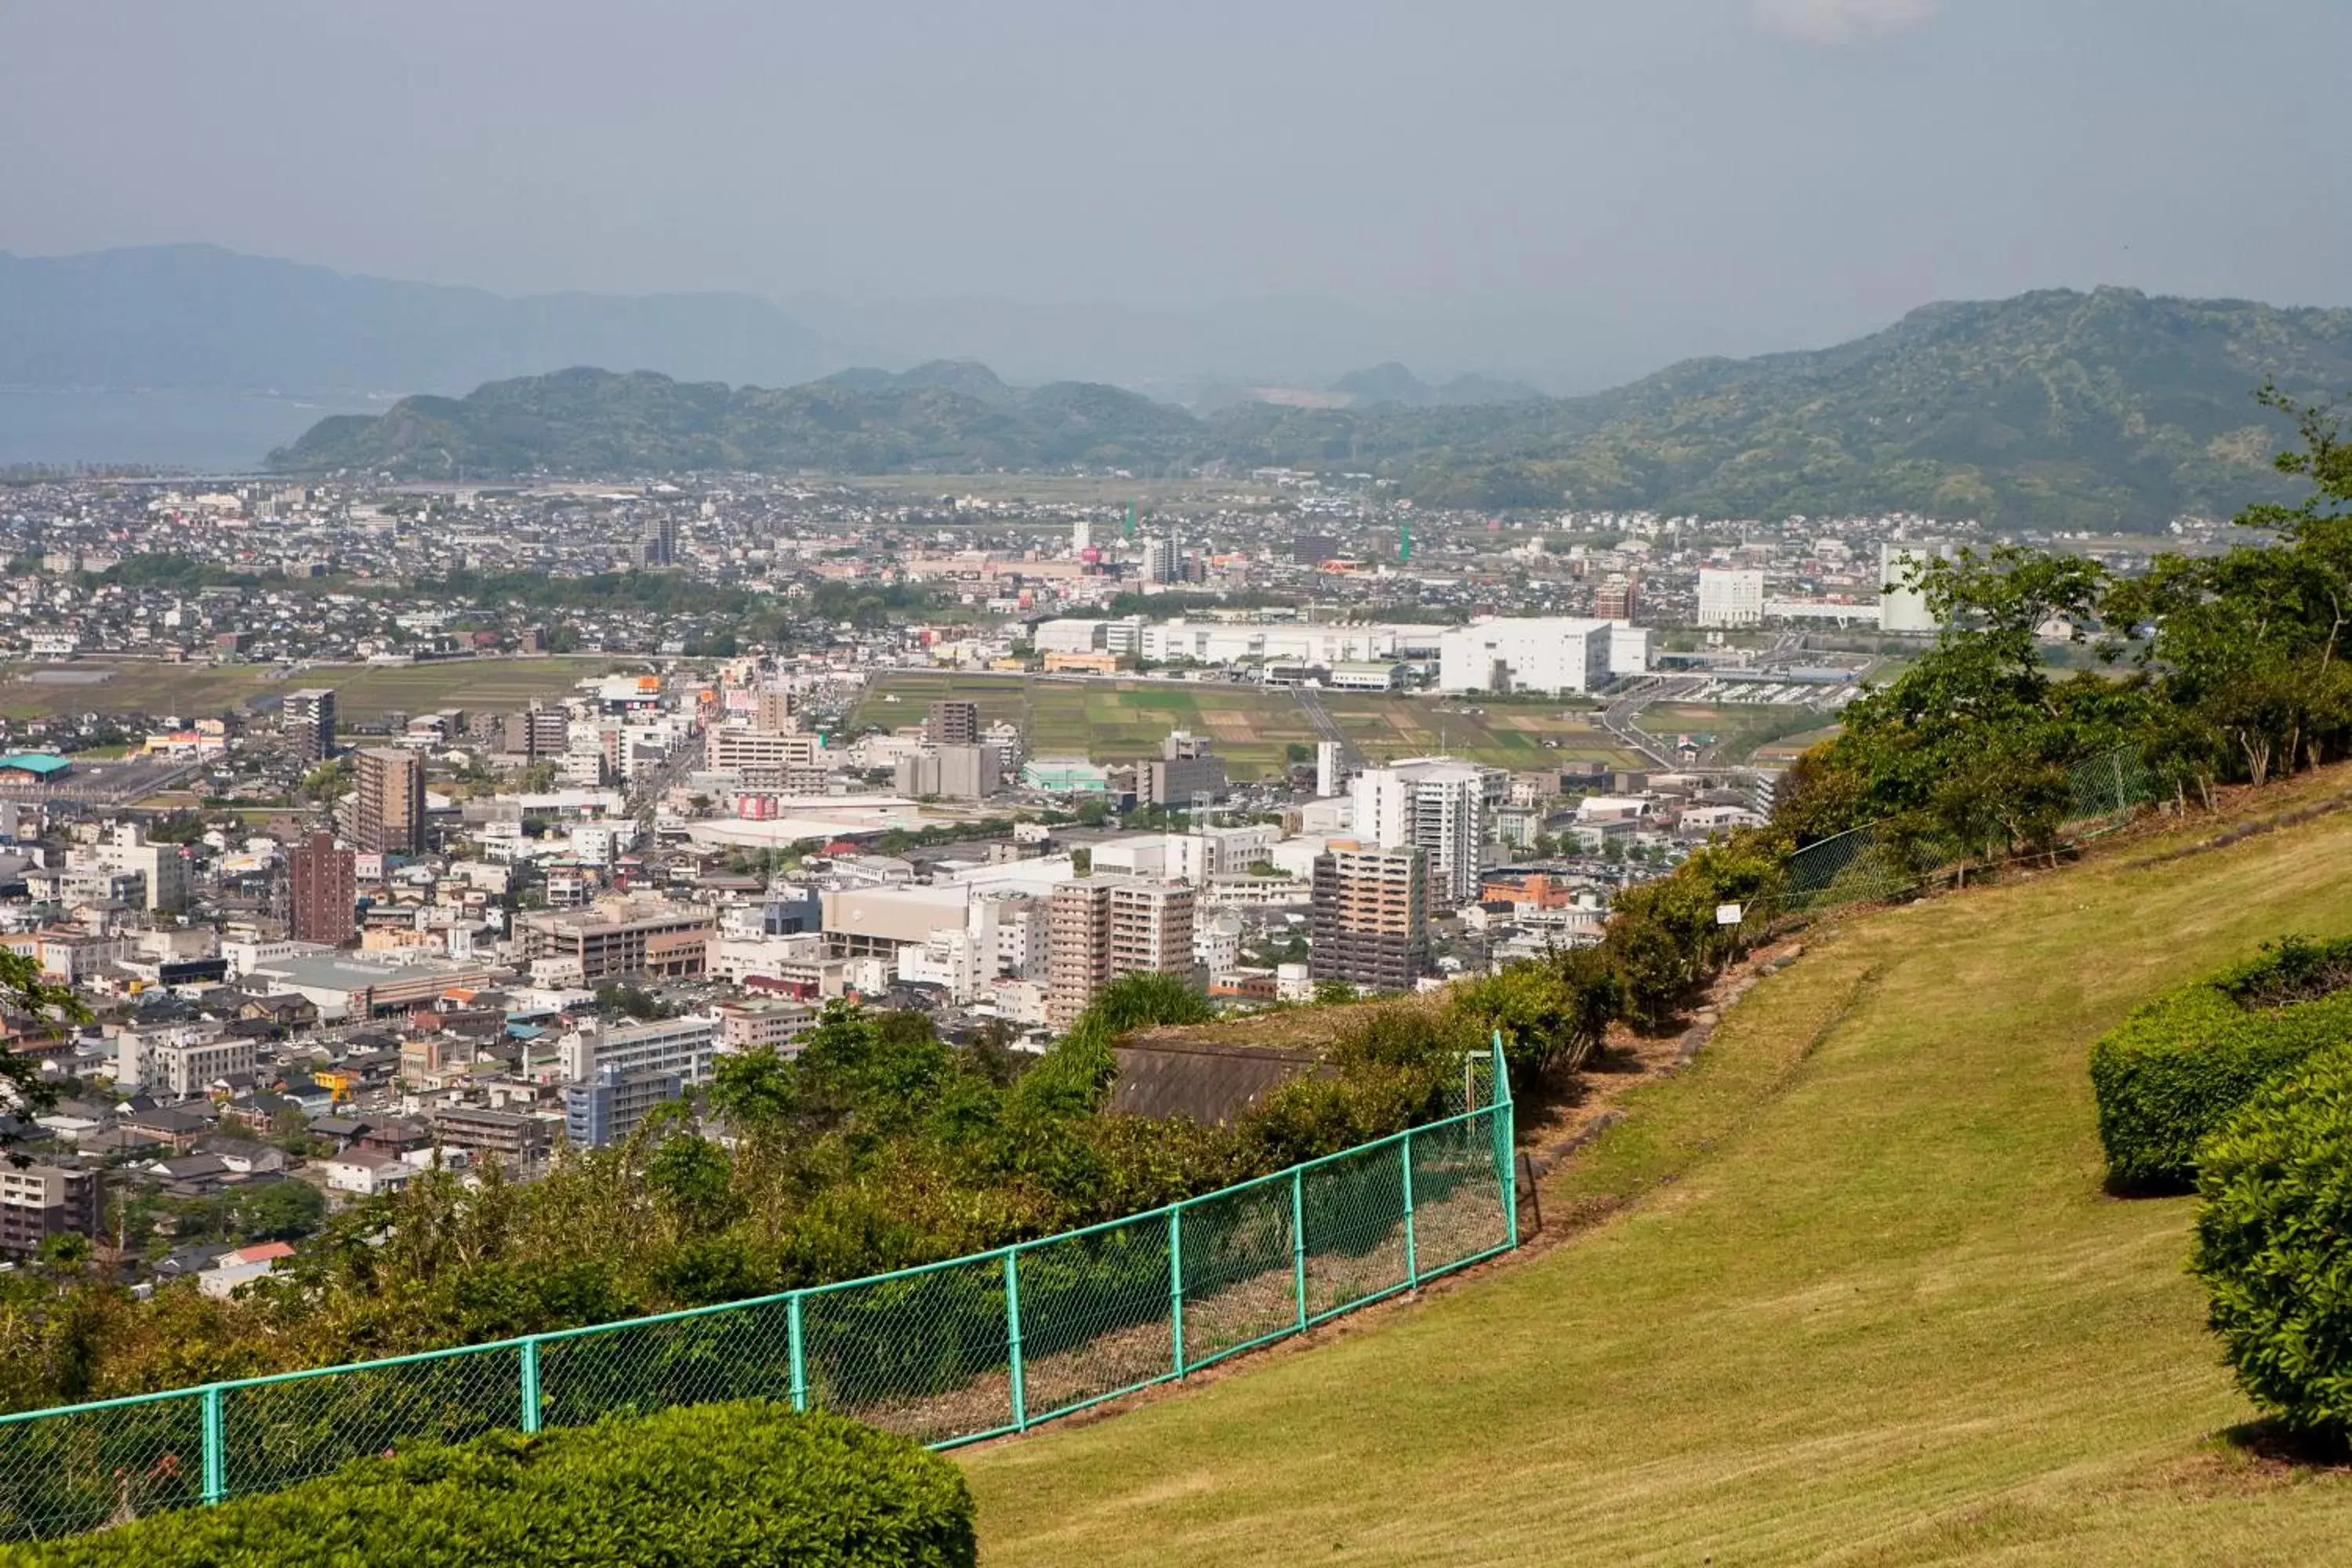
<point>1502,734</point>
<point>362,691</point>
<point>1253,726</point>
<point>1850,1292</point>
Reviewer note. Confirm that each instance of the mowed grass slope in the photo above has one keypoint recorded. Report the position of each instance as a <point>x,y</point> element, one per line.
<point>1868,1303</point>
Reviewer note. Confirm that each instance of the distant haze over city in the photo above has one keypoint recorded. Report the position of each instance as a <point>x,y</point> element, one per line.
<point>1567,195</point>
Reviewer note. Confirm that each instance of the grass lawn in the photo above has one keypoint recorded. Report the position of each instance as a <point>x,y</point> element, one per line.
<point>1855,1296</point>
<point>360,690</point>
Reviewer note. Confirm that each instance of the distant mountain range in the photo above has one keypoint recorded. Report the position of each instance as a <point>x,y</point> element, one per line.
<point>948,416</point>
<point>197,317</point>
<point>2110,409</point>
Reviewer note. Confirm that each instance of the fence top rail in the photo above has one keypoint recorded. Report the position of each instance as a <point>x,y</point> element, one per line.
<point>586,1330</point>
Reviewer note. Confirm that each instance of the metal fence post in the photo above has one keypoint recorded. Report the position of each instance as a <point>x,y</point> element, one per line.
<point>216,1445</point>
<point>531,1385</point>
<point>1411,1248</point>
<point>799,1357</point>
<point>1504,1117</point>
<point>1298,1239</point>
<point>1012,1338</point>
<point>1176,1284</point>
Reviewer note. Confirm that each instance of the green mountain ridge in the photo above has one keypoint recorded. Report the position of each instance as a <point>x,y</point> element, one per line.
<point>2057,408</point>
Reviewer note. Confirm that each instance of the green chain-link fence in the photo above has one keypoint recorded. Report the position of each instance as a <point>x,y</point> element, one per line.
<point>948,1353</point>
<point>1878,860</point>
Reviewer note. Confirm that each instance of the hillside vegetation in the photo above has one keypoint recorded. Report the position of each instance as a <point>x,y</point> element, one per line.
<point>1863,1298</point>
<point>2058,409</point>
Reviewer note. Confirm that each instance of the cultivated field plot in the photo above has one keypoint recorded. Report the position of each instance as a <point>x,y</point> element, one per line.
<point>1741,728</point>
<point>1861,1299</point>
<point>1504,735</point>
<point>1003,698</point>
<point>1105,721</point>
<point>362,691</point>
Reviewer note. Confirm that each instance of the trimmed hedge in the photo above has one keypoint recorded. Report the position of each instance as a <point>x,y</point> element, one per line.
<point>748,1485</point>
<point>2173,1072</point>
<point>2275,1245</point>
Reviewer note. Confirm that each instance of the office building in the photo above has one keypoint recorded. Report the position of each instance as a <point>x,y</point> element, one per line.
<point>952,724</point>
<point>1729,596</point>
<point>1185,771</point>
<point>1436,805</point>
<point>1369,924</point>
<point>1536,653</point>
<point>735,748</point>
<point>307,718</point>
<point>952,772</point>
<point>622,936</point>
<point>323,891</point>
<point>388,802</point>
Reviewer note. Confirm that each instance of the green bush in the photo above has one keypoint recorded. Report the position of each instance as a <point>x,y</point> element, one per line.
<point>2275,1245</point>
<point>717,1485</point>
<point>2173,1072</point>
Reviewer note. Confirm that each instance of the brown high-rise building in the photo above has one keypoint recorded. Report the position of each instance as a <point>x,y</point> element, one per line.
<point>952,724</point>
<point>535,732</point>
<point>776,710</point>
<point>1369,923</point>
<point>1618,599</point>
<point>321,891</point>
<point>1098,928</point>
<point>308,717</point>
<point>388,801</point>
<point>1077,947</point>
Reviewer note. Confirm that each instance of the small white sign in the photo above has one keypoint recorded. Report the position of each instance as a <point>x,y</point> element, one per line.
<point>1726,914</point>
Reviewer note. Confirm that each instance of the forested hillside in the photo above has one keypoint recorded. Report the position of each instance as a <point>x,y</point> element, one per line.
<point>2056,409</point>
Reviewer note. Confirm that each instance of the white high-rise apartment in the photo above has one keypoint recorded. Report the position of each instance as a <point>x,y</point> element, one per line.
<point>1902,609</point>
<point>1436,805</point>
<point>1730,596</point>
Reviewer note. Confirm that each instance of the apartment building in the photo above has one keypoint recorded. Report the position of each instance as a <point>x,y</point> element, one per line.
<point>37,1202</point>
<point>307,718</point>
<point>323,891</point>
<point>1098,928</point>
<point>388,801</point>
<point>684,1048</point>
<point>1370,920</point>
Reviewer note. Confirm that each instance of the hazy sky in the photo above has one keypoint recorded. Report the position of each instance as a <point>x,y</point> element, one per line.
<point>1733,174</point>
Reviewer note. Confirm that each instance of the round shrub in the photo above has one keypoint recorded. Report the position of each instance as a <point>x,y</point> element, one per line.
<point>2275,1245</point>
<point>747,1484</point>
<point>2174,1071</point>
